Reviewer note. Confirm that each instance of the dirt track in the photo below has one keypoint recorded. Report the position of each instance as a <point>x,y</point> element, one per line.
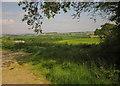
<point>13,73</point>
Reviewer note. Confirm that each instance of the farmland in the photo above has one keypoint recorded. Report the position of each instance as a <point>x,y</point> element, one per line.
<point>64,58</point>
<point>81,41</point>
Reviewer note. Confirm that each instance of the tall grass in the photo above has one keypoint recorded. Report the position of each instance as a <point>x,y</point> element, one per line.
<point>65,63</point>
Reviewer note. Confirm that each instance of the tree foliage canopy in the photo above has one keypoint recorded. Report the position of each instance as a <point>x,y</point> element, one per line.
<point>35,11</point>
<point>106,30</point>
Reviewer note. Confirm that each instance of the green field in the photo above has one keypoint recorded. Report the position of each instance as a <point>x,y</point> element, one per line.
<point>64,59</point>
<point>81,41</point>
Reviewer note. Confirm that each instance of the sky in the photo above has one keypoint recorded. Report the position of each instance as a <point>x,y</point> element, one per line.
<point>12,15</point>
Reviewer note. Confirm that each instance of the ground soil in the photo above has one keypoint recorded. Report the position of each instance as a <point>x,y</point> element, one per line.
<point>14,73</point>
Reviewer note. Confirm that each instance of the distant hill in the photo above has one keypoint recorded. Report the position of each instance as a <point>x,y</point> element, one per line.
<point>55,33</point>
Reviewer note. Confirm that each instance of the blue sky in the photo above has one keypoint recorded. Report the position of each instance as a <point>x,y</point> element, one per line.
<point>12,24</point>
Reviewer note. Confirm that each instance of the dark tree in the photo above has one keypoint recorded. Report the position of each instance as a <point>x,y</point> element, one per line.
<point>106,30</point>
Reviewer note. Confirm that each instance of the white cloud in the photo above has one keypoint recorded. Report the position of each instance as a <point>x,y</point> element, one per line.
<point>10,0</point>
<point>16,28</point>
<point>7,21</point>
<point>19,0</point>
<point>7,13</point>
